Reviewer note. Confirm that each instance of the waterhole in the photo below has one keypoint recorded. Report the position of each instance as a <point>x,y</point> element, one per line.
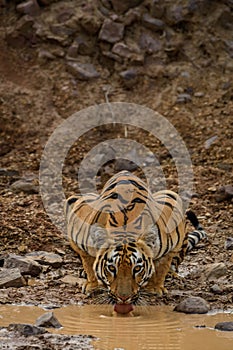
<point>151,328</point>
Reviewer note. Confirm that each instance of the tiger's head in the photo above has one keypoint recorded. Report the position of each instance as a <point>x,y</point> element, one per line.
<point>123,267</point>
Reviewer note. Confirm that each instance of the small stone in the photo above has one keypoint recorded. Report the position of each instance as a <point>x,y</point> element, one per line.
<point>224,326</point>
<point>216,289</point>
<point>183,98</point>
<point>210,141</point>
<point>229,243</point>
<point>26,329</point>
<point>193,305</point>
<point>111,31</point>
<point>83,71</point>
<point>24,186</point>
<point>129,77</point>
<point>72,280</point>
<point>152,23</point>
<point>48,320</point>
<point>45,258</point>
<point>149,43</point>
<point>224,193</point>
<point>199,94</point>
<point>29,7</point>
<point>9,172</point>
<point>11,278</point>
<point>45,54</point>
<point>123,6</point>
<point>125,51</point>
<point>215,271</point>
<point>25,265</point>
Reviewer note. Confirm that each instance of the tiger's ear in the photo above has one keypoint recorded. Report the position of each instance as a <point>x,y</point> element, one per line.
<point>151,238</point>
<point>99,236</point>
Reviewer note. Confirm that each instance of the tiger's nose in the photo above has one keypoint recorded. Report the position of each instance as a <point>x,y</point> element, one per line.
<point>124,297</point>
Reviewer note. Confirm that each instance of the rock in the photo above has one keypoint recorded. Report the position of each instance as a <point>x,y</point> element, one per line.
<point>216,289</point>
<point>175,14</point>
<point>29,7</point>
<point>129,52</point>
<point>123,6</point>
<point>45,258</point>
<point>9,172</point>
<point>183,98</point>
<point>11,278</point>
<point>129,77</point>
<point>199,94</point>
<point>24,186</point>
<point>45,55</point>
<point>25,265</point>
<point>152,23</point>
<point>210,141</point>
<point>72,280</point>
<point>224,193</point>
<point>26,329</point>
<point>82,71</point>
<point>22,33</point>
<point>111,31</point>
<point>224,326</point>
<point>48,320</point>
<point>149,43</point>
<point>229,243</point>
<point>215,271</point>
<point>193,305</point>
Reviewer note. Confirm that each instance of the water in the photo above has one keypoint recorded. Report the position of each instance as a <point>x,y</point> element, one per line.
<point>152,328</point>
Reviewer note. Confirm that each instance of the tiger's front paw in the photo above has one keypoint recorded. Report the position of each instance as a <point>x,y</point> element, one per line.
<point>89,288</point>
<point>157,290</point>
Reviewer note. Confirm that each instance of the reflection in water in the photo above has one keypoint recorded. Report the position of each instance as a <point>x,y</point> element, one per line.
<point>152,328</point>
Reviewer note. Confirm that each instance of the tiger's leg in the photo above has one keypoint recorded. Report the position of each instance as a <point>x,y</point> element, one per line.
<point>87,261</point>
<point>162,267</point>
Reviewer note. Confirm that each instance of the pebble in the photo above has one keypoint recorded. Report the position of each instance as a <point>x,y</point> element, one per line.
<point>229,243</point>
<point>193,305</point>
<point>199,94</point>
<point>224,193</point>
<point>48,320</point>
<point>24,186</point>
<point>152,23</point>
<point>149,43</point>
<point>29,7</point>
<point>25,265</point>
<point>111,31</point>
<point>11,278</point>
<point>73,281</point>
<point>123,6</point>
<point>224,326</point>
<point>216,289</point>
<point>183,98</point>
<point>125,51</point>
<point>129,77</point>
<point>215,271</point>
<point>82,71</point>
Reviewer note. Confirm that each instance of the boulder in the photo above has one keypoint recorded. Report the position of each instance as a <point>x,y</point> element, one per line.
<point>46,258</point>
<point>11,278</point>
<point>193,305</point>
<point>25,265</point>
<point>48,320</point>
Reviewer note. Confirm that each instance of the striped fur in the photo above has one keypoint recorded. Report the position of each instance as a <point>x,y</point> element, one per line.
<point>127,237</point>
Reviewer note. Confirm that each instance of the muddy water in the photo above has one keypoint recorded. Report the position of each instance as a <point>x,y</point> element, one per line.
<point>152,328</point>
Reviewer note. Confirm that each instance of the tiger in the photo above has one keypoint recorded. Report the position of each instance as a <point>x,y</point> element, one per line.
<point>128,238</point>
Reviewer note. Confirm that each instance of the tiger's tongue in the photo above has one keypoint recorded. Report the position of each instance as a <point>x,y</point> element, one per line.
<point>123,308</point>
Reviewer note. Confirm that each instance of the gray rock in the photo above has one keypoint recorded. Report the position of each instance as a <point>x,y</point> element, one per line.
<point>9,172</point>
<point>224,193</point>
<point>26,329</point>
<point>29,7</point>
<point>229,243</point>
<point>152,23</point>
<point>45,258</point>
<point>183,98</point>
<point>24,186</point>
<point>25,265</point>
<point>149,43</point>
<point>216,289</point>
<point>224,326</point>
<point>123,6</point>
<point>11,278</point>
<point>111,31</point>
<point>48,320</point>
<point>215,271</point>
<point>129,52</point>
<point>82,71</point>
<point>193,305</point>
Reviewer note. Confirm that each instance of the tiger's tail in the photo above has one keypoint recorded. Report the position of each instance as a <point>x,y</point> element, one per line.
<point>198,234</point>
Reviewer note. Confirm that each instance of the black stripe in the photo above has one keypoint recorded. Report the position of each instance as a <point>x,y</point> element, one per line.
<point>168,204</point>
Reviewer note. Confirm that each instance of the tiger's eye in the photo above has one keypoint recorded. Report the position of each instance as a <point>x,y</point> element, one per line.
<point>112,268</point>
<point>137,268</point>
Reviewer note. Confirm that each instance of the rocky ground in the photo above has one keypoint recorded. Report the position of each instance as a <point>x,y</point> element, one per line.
<point>59,57</point>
